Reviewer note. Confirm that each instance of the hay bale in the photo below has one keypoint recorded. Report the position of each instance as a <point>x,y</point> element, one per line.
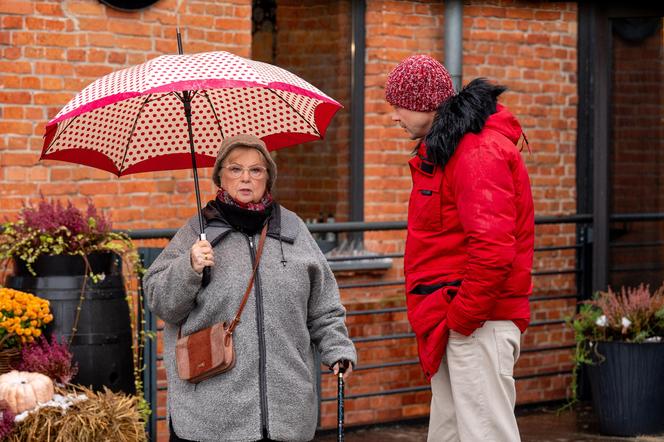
<point>104,417</point>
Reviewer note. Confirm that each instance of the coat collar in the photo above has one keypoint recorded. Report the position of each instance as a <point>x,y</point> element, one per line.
<point>420,162</point>
<point>282,225</point>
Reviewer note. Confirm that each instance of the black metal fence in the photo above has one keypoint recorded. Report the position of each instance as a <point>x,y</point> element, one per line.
<point>581,271</point>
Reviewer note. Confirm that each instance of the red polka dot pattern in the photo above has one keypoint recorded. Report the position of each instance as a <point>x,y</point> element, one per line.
<point>134,116</point>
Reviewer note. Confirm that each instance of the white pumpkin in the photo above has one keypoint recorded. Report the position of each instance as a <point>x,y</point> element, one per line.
<point>22,390</point>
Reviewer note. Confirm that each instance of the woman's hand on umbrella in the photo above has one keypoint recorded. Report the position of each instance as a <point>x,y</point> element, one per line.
<point>348,368</point>
<point>201,256</point>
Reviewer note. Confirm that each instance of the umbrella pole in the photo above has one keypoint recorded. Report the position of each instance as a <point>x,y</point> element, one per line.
<point>186,101</point>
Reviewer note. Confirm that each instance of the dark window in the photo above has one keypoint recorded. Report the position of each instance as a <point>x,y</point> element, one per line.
<point>636,145</point>
<point>312,39</point>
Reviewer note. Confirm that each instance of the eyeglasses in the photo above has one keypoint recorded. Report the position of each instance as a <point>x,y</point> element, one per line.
<point>255,172</point>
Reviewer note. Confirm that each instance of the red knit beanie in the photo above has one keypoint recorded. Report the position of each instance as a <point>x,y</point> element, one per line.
<point>419,83</point>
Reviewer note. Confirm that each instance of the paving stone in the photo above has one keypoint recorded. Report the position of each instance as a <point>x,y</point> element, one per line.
<point>540,424</point>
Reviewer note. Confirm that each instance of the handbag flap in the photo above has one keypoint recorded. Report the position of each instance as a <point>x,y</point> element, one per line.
<point>211,347</point>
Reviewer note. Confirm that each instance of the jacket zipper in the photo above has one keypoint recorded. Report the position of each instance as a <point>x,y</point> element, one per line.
<point>262,376</point>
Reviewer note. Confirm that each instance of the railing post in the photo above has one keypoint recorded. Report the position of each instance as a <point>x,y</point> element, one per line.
<point>584,287</point>
<point>147,256</point>
<point>584,281</point>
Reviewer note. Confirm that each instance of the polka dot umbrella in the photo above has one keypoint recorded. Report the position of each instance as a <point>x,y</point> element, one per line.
<point>173,112</point>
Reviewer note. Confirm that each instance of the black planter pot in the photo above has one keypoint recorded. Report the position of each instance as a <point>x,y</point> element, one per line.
<point>628,388</point>
<point>60,265</point>
<point>102,344</point>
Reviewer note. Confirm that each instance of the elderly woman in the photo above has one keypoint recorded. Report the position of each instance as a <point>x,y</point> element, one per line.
<point>270,394</point>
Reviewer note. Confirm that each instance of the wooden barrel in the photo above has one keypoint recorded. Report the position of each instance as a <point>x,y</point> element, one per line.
<point>102,344</point>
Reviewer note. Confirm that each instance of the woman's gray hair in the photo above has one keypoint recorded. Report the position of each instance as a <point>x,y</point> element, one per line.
<point>252,142</point>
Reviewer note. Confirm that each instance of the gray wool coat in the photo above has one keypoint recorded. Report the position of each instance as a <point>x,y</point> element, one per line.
<point>294,305</point>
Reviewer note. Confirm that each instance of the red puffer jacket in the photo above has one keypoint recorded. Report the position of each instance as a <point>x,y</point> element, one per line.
<point>470,241</point>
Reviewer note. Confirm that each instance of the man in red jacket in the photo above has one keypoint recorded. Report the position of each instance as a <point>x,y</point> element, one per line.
<point>469,250</point>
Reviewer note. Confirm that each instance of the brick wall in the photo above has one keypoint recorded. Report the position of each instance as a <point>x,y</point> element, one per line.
<point>51,50</point>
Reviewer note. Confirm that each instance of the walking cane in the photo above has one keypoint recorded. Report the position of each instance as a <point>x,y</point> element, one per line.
<point>340,401</point>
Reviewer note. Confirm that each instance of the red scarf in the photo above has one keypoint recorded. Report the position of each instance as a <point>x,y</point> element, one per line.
<point>225,197</point>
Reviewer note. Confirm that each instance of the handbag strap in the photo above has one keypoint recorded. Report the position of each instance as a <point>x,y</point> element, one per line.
<point>259,252</point>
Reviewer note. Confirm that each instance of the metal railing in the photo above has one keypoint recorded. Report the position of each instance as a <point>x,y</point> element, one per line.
<point>580,248</point>
<point>581,271</point>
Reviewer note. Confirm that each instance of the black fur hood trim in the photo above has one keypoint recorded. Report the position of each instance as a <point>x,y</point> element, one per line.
<point>464,112</point>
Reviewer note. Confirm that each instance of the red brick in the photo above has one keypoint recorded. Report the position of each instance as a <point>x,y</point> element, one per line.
<point>133,43</point>
<point>15,97</point>
<point>93,70</point>
<point>11,53</point>
<point>117,57</point>
<point>19,67</point>
<point>547,15</point>
<point>75,55</point>
<point>48,68</point>
<point>23,38</point>
<point>20,7</point>
<point>11,22</point>
<point>130,27</point>
<point>36,23</point>
<point>52,83</point>
<point>18,159</point>
<point>60,98</point>
<point>93,24</point>
<point>85,8</point>
<point>56,39</point>
<point>54,53</point>
<point>53,9</point>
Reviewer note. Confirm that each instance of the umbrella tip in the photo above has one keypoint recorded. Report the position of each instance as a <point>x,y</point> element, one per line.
<point>179,37</point>
<point>178,13</point>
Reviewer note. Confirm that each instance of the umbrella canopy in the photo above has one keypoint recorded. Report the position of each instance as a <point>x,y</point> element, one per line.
<point>132,120</point>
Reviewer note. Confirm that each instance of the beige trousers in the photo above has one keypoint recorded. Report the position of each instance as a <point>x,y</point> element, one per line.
<point>473,391</point>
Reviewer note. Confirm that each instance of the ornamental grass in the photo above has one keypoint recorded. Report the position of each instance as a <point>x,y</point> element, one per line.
<point>103,417</point>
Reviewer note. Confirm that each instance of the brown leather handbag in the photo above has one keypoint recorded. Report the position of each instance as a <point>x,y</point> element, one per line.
<point>209,352</point>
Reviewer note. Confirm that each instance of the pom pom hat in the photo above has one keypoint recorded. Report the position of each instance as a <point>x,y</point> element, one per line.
<point>419,83</point>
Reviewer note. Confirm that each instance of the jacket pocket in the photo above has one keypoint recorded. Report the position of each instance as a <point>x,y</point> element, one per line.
<point>425,205</point>
<point>450,288</point>
<point>427,311</point>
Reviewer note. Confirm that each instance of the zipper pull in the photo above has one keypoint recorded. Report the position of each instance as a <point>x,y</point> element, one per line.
<point>251,241</point>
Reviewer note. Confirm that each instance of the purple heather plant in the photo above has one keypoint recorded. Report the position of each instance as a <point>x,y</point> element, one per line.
<point>54,228</point>
<point>632,314</point>
<point>50,358</point>
<point>6,420</point>
<point>54,218</point>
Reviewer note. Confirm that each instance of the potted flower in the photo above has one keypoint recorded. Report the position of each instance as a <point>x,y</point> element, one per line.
<point>50,358</point>
<point>74,259</point>
<point>22,319</point>
<point>620,340</point>
<point>51,239</point>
